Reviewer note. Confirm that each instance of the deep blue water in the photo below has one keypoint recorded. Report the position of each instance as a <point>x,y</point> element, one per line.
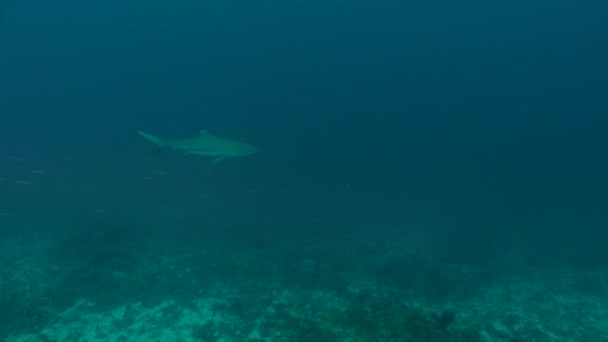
<point>428,170</point>
<point>482,121</point>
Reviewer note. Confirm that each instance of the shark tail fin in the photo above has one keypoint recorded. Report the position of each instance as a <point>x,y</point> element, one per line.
<point>158,142</point>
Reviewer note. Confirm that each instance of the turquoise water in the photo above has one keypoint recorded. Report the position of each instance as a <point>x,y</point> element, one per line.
<point>426,171</point>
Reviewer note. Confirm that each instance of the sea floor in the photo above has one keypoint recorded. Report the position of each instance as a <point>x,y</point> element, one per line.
<point>114,283</point>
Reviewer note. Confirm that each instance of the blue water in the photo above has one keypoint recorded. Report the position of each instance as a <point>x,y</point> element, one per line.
<point>482,124</point>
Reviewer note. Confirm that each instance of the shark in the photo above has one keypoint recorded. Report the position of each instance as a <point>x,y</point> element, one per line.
<point>203,144</point>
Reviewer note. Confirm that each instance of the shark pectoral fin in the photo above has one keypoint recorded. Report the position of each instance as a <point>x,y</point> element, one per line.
<point>218,159</point>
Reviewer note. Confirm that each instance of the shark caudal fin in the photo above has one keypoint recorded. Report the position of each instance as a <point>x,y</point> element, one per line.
<point>158,142</point>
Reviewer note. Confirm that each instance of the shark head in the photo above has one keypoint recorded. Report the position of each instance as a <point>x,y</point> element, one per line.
<point>247,149</point>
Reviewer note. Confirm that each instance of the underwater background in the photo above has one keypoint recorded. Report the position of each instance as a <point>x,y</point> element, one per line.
<point>427,171</point>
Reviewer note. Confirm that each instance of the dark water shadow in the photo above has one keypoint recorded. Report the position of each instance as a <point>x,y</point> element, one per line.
<point>5,6</point>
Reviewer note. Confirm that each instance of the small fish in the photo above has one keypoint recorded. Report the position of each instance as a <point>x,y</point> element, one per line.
<point>13,158</point>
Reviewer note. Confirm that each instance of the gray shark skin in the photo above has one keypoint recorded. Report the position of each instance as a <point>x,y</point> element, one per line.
<point>204,144</point>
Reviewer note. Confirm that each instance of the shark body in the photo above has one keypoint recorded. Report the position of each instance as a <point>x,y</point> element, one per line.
<point>204,144</point>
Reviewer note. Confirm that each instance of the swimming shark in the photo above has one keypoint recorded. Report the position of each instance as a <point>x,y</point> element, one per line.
<point>204,144</point>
